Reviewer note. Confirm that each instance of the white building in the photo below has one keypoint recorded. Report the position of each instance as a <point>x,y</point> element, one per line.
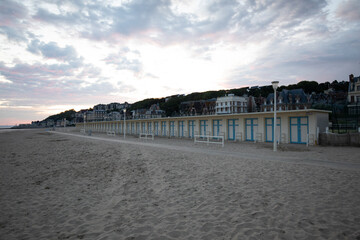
<point>231,104</point>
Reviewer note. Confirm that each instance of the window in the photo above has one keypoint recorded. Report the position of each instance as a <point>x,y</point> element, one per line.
<point>358,88</point>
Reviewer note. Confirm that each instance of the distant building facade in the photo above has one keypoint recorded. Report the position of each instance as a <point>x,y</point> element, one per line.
<point>153,112</point>
<point>354,95</point>
<point>231,104</point>
<point>199,107</point>
<point>295,99</point>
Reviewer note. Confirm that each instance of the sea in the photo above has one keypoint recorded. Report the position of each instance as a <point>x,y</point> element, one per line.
<point>5,126</point>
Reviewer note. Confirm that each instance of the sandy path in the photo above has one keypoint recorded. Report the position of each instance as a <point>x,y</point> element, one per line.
<point>258,151</point>
<point>56,186</point>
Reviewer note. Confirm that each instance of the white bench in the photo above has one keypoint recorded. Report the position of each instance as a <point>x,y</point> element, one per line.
<point>110,133</point>
<point>209,139</point>
<point>146,136</point>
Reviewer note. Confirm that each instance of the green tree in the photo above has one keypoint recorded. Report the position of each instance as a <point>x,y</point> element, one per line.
<point>146,103</point>
<point>69,115</point>
<point>308,86</point>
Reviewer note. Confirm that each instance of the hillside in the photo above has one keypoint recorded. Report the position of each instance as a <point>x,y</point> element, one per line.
<point>171,104</point>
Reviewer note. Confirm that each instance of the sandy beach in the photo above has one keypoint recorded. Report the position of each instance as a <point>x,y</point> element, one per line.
<point>67,186</point>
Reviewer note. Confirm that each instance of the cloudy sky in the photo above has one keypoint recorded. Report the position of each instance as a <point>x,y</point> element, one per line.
<point>56,54</point>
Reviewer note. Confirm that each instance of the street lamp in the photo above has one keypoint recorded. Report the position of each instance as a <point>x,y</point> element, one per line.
<point>124,110</point>
<point>275,85</point>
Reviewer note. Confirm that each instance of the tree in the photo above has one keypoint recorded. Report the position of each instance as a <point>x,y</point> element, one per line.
<point>146,103</point>
<point>340,86</point>
<point>322,87</point>
<point>308,86</point>
<point>69,115</point>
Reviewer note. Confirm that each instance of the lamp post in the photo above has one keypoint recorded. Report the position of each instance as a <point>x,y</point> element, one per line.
<point>275,85</point>
<point>124,122</point>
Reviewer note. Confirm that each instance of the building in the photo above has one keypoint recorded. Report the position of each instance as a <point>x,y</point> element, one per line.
<point>117,106</point>
<point>114,106</point>
<point>100,107</point>
<point>353,98</point>
<point>295,99</point>
<point>199,107</point>
<point>293,126</point>
<point>95,115</point>
<point>112,116</point>
<point>139,113</point>
<point>153,112</point>
<point>79,116</point>
<point>231,104</point>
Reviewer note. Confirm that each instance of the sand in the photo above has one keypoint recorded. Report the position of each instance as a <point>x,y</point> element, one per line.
<point>61,186</point>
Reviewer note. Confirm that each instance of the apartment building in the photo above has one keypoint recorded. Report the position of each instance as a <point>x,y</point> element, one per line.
<point>231,104</point>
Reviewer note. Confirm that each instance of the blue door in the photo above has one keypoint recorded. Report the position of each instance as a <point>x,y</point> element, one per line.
<point>163,128</point>
<point>251,127</point>
<point>132,128</point>
<point>269,129</point>
<point>149,129</point>
<point>172,129</point>
<point>232,124</point>
<point>299,129</point>
<point>181,128</point>
<point>156,128</point>
<point>143,129</point>
<point>203,126</point>
<point>216,127</point>
<point>191,128</point>
<point>137,128</point>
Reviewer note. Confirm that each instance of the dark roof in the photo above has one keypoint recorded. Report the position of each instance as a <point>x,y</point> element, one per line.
<point>286,94</point>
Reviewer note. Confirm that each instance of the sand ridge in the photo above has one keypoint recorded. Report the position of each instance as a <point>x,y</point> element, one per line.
<point>56,186</point>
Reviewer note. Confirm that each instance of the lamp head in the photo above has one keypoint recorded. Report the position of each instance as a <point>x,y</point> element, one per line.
<point>275,84</point>
<point>124,110</point>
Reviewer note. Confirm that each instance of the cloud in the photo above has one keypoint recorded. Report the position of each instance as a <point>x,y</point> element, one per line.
<point>330,59</point>
<point>139,17</point>
<point>264,19</point>
<point>52,51</point>
<point>349,10</point>
<point>125,59</point>
<point>46,82</point>
<point>52,84</point>
<point>11,20</point>
<point>168,22</point>
<point>69,18</point>
<point>4,80</point>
